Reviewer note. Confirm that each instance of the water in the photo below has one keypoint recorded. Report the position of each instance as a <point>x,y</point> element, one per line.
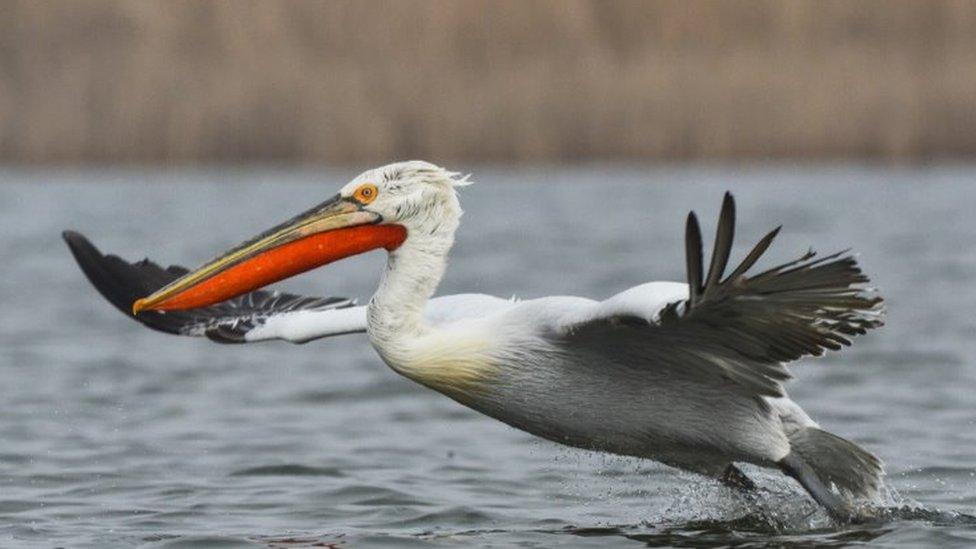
<point>114,435</point>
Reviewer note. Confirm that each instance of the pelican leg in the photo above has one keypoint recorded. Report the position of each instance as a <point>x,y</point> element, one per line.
<point>745,488</point>
<point>733,477</point>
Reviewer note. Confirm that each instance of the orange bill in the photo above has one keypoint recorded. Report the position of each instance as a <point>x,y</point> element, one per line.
<point>333,230</point>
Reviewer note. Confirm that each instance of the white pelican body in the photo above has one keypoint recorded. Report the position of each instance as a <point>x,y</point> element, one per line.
<point>688,374</point>
<point>493,355</point>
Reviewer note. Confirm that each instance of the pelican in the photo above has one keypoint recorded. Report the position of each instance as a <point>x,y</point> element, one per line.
<point>689,374</point>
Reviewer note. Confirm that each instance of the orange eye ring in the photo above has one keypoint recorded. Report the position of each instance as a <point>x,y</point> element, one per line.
<point>366,193</point>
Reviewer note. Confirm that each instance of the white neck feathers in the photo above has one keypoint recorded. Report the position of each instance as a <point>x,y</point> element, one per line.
<point>410,279</point>
<point>412,274</point>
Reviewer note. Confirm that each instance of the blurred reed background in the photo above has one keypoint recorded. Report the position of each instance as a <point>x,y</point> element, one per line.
<point>367,81</point>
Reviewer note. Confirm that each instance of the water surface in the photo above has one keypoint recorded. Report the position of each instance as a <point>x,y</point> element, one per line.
<point>114,435</point>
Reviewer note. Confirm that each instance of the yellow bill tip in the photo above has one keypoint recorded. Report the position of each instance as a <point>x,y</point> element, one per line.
<point>139,305</point>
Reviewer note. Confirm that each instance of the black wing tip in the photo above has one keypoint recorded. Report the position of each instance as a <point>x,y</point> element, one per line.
<point>692,226</point>
<point>722,248</point>
<point>726,216</point>
<point>113,278</point>
<point>78,244</point>
<point>693,257</point>
<point>121,282</point>
<point>728,201</point>
<point>728,208</point>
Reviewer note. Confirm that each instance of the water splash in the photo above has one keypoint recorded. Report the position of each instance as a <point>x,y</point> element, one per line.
<point>779,507</point>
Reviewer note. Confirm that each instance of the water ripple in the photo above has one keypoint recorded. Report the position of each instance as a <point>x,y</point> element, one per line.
<point>288,470</point>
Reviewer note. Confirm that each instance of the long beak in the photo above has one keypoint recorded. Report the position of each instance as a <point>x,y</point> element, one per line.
<point>337,228</point>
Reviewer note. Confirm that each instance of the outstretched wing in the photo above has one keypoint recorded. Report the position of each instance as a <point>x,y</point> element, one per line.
<point>254,316</point>
<point>738,328</point>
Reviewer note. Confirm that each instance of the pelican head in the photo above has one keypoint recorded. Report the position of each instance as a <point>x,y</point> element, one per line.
<point>384,207</point>
<point>417,195</point>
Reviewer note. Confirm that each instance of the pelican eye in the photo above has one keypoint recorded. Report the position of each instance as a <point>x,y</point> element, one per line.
<point>366,193</point>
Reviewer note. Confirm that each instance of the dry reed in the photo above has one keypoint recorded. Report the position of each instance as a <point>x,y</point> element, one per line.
<point>509,80</point>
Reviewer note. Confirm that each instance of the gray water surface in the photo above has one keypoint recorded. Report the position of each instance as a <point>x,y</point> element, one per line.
<point>113,435</point>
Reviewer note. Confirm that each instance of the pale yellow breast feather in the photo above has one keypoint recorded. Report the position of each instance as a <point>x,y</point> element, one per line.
<point>450,361</point>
